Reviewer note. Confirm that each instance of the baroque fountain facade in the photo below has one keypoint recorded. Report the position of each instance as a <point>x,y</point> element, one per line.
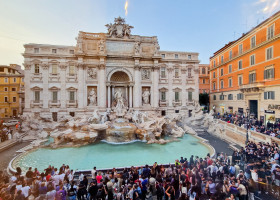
<point>111,86</point>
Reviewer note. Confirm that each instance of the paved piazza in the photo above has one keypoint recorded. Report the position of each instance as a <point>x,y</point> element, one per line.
<point>75,80</point>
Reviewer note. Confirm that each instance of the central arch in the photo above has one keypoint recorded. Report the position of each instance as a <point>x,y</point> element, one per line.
<point>119,79</point>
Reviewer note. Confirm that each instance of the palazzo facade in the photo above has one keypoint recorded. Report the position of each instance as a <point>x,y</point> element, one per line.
<point>75,80</point>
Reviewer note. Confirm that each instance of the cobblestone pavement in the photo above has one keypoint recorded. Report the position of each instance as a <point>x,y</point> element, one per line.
<point>7,155</point>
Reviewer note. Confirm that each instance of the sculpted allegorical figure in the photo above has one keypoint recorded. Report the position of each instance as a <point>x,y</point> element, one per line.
<point>137,47</point>
<point>92,97</point>
<point>156,46</point>
<point>101,45</point>
<point>119,99</point>
<point>146,96</point>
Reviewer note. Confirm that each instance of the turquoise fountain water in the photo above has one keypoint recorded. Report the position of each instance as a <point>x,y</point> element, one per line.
<point>103,155</point>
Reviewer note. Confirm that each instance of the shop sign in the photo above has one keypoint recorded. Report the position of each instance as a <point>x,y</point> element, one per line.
<point>273,107</point>
<point>270,111</point>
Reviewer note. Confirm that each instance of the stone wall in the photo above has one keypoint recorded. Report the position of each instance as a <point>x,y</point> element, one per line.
<point>237,135</point>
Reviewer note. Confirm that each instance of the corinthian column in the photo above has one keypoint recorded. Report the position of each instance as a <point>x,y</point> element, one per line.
<point>81,92</point>
<point>137,96</point>
<point>27,73</point>
<point>102,87</point>
<point>184,84</point>
<point>155,86</point>
<point>170,82</point>
<point>45,77</point>
<point>63,85</point>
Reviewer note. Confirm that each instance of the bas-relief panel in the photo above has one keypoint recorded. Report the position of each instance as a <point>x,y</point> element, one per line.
<point>120,47</point>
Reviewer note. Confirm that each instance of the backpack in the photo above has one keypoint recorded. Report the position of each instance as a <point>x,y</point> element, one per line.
<point>99,194</point>
<point>160,190</point>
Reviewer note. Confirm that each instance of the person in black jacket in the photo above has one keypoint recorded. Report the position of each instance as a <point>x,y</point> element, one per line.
<point>93,190</point>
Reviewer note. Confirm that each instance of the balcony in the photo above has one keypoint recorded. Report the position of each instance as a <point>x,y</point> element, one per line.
<point>54,77</point>
<point>36,103</point>
<point>71,77</point>
<point>252,87</point>
<point>36,77</point>
<point>177,80</point>
<point>190,102</point>
<point>54,103</point>
<point>72,103</point>
<point>177,102</point>
<point>163,103</point>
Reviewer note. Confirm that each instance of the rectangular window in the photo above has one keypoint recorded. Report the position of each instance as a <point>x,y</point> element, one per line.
<point>240,80</point>
<point>176,72</point>
<point>15,80</point>
<point>252,59</point>
<point>176,56</point>
<point>222,59</point>
<point>2,69</point>
<point>14,99</point>
<point>253,41</point>
<point>240,64</point>
<point>230,82</point>
<point>54,95</point>
<point>230,54</point>
<point>163,96</point>
<point>214,97</point>
<point>269,53</point>
<point>270,32</point>
<point>222,84</point>
<point>36,50</point>
<point>269,73</point>
<point>214,63</point>
<point>240,48</point>
<point>72,96</point>
<point>14,89</point>
<point>162,72</point>
<point>269,95</point>
<point>177,96</point>
<point>37,96</point>
<point>6,80</point>
<point>6,99</point>
<point>71,51</point>
<point>190,96</point>
<point>222,72</point>
<point>53,50</point>
<point>214,74</point>
<point>37,69</point>
<point>240,96</point>
<point>214,86</point>
<point>189,72</point>
<point>162,55</point>
<point>54,69</point>
<point>230,97</point>
<point>222,97</point>
<point>71,70</point>
<point>6,89</point>
<point>229,68</point>
<point>203,81</point>
<point>189,57</point>
<point>252,77</point>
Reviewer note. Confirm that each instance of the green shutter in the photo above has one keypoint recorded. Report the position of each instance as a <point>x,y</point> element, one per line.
<point>265,95</point>
<point>272,95</point>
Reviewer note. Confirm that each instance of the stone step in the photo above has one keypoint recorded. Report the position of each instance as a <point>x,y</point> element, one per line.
<point>7,144</point>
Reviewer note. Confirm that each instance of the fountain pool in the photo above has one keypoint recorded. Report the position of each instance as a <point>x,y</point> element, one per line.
<point>104,155</point>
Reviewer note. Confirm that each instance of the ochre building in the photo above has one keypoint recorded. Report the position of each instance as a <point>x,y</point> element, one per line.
<point>204,80</point>
<point>11,91</point>
<point>245,73</point>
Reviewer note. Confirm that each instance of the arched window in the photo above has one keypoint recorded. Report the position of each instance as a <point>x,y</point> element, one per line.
<point>203,70</point>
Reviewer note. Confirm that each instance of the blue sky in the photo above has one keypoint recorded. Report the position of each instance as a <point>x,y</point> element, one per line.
<point>202,26</point>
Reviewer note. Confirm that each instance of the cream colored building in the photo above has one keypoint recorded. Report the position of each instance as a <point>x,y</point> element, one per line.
<point>75,80</point>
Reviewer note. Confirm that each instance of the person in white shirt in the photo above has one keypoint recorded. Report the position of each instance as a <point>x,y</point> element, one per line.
<point>56,179</point>
<point>93,172</point>
<point>254,175</point>
<point>25,190</point>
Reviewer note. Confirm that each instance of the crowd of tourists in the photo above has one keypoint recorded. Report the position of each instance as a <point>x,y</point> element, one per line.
<point>271,129</point>
<point>248,173</point>
<point>5,132</point>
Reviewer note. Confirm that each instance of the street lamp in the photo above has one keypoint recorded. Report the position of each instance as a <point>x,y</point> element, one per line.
<point>247,136</point>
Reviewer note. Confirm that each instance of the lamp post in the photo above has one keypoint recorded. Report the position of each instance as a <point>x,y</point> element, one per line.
<point>248,122</point>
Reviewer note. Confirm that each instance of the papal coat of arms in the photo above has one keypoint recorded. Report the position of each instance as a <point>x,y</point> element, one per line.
<point>119,28</point>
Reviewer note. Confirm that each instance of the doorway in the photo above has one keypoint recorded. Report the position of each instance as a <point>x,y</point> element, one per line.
<point>253,106</point>
<point>14,113</point>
